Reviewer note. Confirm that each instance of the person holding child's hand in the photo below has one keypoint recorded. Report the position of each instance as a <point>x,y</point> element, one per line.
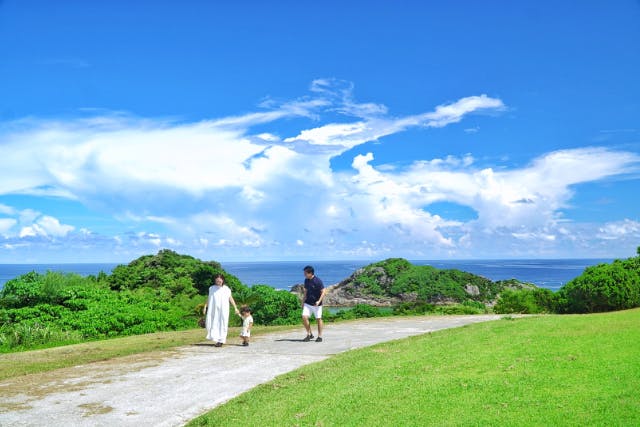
<point>216,311</point>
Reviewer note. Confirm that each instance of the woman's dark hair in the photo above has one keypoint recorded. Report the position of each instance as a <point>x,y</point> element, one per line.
<point>220,276</point>
<point>308,269</point>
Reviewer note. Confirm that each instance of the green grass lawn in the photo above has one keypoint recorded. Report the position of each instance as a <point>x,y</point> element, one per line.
<point>29,362</point>
<point>549,370</point>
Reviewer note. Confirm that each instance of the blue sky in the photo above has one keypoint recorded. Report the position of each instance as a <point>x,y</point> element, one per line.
<point>319,130</point>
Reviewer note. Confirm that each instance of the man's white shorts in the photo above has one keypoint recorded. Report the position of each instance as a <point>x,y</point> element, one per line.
<point>307,310</point>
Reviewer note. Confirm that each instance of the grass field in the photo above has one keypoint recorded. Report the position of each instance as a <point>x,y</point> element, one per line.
<point>29,362</point>
<point>547,370</point>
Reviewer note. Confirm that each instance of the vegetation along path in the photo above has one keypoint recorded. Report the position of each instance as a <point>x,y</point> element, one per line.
<point>169,388</point>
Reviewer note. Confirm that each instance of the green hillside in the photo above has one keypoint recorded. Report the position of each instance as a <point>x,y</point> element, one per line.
<point>152,293</point>
<point>545,371</point>
<point>399,280</point>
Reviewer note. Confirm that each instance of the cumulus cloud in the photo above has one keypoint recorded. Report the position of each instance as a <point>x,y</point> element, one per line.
<point>217,185</point>
<point>30,223</point>
<point>46,226</point>
<point>524,203</point>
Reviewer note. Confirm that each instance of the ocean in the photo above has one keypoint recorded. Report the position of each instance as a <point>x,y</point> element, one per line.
<point>550,274</point>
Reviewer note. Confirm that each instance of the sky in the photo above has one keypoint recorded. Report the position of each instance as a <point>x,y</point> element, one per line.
<point>300,130</point>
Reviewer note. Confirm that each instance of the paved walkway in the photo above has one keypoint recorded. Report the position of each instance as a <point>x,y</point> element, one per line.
<point>169,388</point>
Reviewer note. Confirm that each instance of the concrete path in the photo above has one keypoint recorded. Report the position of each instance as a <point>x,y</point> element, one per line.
<point>169,388</point>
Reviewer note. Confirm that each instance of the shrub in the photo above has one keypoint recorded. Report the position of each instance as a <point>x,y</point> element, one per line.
<point>272,306</point>
<point>417,307</point>
<point>365,310</point>
<point>22,291</point>
<point>30,335</point>
<point>359,311</point>
<point>525,301</point>
<point>171,271</point>
<point>604,287</point>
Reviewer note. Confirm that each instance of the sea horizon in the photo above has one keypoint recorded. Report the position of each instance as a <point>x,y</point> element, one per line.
<point>550,273</point>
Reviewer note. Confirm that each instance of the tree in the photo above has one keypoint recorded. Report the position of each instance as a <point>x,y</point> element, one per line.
<point>604,287</point>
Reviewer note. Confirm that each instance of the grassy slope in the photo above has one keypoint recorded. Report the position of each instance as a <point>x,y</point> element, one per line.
<point>551,370</point>
<point>29,362</point>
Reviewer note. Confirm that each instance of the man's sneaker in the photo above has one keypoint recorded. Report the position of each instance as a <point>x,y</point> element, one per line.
<point>245,344</point>
<point>308,338</point>
<point>319,339</point>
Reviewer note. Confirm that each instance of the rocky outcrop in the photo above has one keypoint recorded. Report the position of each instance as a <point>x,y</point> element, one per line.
<point>339,295</point>
<point>345,294</point>
<point>472,290</point>
<point>375,285</point>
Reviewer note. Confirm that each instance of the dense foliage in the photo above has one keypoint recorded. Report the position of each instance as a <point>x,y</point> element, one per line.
<point>166,291</point>
<point>397,277</point>
<point>153,293</point>
<point>425,289</point>
<point>526,301</point>
<point>604,287</point>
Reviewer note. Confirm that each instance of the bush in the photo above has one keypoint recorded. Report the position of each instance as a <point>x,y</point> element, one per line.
<point>171,271</point>
<point>420,308</point>
<point>409,308</point>
<point>525,301</point>
<point>604,287</point>
<point>365,311</point>
<point>22,291</point>
<point>31,335</point>
<point>359,311</point>
<point>272,306</point>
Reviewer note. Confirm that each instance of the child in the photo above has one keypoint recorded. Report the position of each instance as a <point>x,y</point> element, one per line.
<point>247,322</point>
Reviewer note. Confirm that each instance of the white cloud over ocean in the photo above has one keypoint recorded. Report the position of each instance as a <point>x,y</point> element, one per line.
<point>218,185</point>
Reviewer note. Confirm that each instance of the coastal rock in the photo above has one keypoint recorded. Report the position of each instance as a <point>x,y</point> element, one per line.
<point>442,300</point>
<point>472,290</point>
<point>339,295</point>
<point>396,281</point>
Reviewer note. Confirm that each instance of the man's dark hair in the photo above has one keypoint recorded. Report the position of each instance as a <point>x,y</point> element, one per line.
<point>308,269</point>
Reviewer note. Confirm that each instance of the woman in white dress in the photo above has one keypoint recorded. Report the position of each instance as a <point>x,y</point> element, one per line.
<point>216,311</point>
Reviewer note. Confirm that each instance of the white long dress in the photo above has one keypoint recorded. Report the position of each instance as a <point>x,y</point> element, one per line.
<point>217,321</point>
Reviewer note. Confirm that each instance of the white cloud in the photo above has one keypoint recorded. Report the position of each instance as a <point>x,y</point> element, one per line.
<point>268,137</point>
<point>216,186</point>
<point>523,203</point>
<point>46,226</point>
<point>620,229</point>
<point>232,232</point>
<point>119,160</point>
<point>453,113</point>
<point>349,135</point>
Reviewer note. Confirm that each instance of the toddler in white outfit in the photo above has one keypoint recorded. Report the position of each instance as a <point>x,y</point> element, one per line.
<point>247,323</point>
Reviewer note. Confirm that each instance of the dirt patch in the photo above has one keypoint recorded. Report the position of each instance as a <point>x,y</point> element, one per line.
<point>95,408</point>
<point>36,386</point>
<point>9,406</point>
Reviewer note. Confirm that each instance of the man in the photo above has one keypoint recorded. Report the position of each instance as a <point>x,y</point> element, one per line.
<point>314,291</point>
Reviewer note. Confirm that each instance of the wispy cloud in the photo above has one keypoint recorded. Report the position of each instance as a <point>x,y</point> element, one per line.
<point>218,185</point>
